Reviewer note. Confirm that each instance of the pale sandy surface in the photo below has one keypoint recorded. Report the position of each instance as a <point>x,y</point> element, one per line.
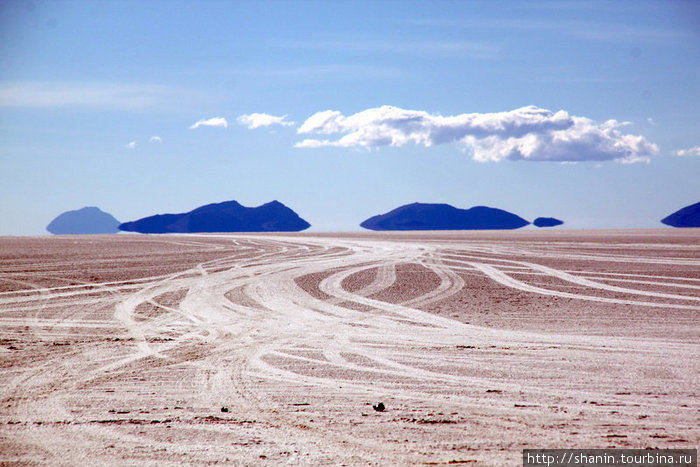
<point>123,350</point>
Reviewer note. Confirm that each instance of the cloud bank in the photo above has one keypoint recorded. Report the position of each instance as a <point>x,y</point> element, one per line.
<point>257,120</point>
<point>215,122</point>
<point>694,151</point>
<point>529,133</point>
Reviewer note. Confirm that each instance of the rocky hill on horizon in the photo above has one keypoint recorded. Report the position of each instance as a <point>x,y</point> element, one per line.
<point>547,222</point>
<point>428,216</point>
<point>688,216</point>
<point>227,216</point>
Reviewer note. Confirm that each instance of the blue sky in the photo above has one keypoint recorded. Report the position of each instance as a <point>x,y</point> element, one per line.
<point>582,110</point>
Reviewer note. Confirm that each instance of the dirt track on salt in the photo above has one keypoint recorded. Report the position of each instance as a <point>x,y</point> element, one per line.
<point>271,349</point>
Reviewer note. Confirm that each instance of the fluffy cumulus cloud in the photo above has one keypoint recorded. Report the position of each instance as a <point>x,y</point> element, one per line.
<point>257,120</point>
<point>215,122</point>
<point>155,139</point>
<point>694,151</point>
<point>130,145</point>
<point>528,133</point>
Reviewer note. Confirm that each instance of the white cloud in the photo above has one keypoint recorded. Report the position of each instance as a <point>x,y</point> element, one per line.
<point>602,31</point>
<point>322,72</point>
<point>313,143</point>
<point>528,133</point>
<point>131,145</point>
<point>86,95</point>
<point>215,122</point>
<point>155,139</point>
<point>463,49</point>
<point>257,120</point>
<point>694,151</point>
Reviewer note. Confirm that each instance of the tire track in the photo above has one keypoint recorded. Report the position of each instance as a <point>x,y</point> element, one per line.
<point>299,373</point>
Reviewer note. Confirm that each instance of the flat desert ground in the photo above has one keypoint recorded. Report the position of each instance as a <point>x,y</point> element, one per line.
<point>261,349</point>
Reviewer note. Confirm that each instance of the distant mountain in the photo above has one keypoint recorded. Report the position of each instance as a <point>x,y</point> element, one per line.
<point>547,222</point>
<point>88,220</point>
<point>424,216</point>
<point>688,216</point>
<point>228,216</point>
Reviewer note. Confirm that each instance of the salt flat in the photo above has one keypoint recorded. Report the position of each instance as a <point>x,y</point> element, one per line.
<point>249,349</point>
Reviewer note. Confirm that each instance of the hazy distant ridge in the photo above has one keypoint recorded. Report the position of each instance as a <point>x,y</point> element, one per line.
<point>228,216</point>
<point>88,220</point>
